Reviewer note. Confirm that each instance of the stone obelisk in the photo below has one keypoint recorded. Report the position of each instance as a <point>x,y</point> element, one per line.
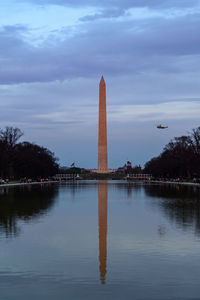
<point>102,142</point>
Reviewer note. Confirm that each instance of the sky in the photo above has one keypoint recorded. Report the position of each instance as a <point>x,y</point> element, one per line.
<point>54,52</point>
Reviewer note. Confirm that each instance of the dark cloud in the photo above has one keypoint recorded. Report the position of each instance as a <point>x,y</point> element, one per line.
<point>119,3</point>
<point>114,9</point>
<point>113,48</point>
<point>11,40</point>
<point>104,14</point>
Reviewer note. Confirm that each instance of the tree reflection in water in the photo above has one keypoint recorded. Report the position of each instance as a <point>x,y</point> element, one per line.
<point>180,203</point>
<point>24,203</point>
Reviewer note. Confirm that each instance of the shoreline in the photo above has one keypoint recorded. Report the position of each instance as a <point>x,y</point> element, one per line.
<point>26,183</point>
<point>174,182</point>
<point>56,181</point>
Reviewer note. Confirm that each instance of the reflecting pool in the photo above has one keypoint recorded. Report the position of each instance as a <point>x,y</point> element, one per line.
<point>100,240</point>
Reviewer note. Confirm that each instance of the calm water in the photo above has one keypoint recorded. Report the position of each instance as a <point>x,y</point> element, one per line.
<point>100,240</point>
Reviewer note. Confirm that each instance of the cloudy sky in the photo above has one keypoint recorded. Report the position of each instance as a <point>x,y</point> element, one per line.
<point>53,53</point>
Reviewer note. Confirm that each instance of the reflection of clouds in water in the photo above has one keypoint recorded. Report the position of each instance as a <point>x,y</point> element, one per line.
<point>181,204</point>
<point>161,230</point>
<point>23,203</point>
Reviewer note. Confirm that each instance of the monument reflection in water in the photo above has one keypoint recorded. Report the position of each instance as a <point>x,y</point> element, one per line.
<point>102,215</point>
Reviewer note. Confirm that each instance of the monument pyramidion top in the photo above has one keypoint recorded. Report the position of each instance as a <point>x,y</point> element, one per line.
<point>102,81</point>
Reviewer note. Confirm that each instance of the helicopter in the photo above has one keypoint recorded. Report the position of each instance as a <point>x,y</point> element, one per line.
<point>162,127</point>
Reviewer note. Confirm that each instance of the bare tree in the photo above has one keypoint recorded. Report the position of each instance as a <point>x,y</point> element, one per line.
<point>195,140</point>
<point>10,135</point>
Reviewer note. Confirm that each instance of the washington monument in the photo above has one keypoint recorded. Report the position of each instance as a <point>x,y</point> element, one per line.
<point>102,141</point>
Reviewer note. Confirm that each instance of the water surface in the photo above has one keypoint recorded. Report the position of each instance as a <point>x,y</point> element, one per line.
<point>100,240</point>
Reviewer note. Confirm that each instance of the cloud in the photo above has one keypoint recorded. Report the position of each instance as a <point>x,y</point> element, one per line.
<point>117,8</point>
<point>161,112</point>
<point>119,3</point>
<point>112,48</point>
<point>104,14</point>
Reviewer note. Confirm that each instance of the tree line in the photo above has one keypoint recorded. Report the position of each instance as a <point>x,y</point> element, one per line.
<point>25,159</point>
<point>179,158</point>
